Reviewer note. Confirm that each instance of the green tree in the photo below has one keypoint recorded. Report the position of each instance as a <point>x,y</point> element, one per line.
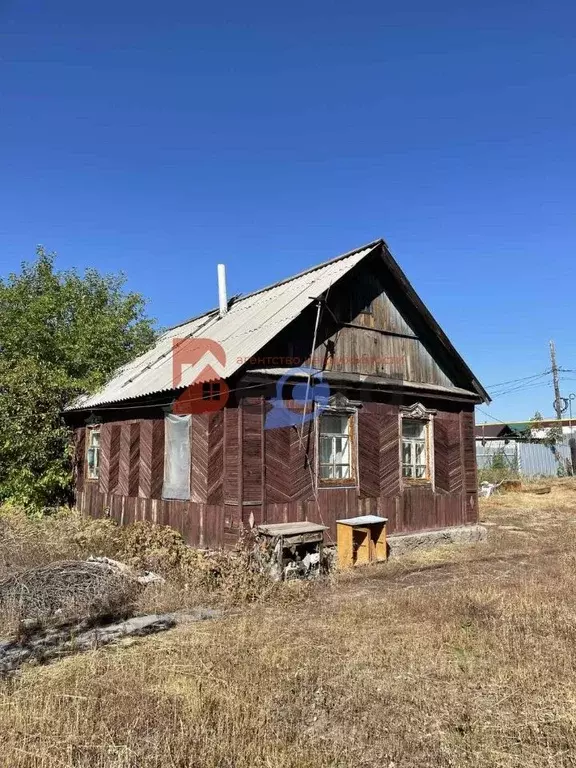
<point>62,333</point>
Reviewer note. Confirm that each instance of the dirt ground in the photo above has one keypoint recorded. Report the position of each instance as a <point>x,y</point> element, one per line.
<point>461,656</point>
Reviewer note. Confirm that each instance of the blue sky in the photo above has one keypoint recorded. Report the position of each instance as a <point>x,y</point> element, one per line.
<point>162,138</point>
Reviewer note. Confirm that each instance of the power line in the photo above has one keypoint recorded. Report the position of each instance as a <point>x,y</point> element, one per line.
<point>521,388</point>
<point>485,413</point>
<point>525,378</point>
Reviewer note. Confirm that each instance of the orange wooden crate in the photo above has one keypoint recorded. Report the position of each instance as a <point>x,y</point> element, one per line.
<point>361,540</point>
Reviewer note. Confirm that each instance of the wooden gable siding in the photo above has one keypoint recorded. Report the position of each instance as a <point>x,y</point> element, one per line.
<point>390,342</point>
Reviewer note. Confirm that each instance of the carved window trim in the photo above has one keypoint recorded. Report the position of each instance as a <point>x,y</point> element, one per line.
<point>339,405</point>
<point>417,412</point>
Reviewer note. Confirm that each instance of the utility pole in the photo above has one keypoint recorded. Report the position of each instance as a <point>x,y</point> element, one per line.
<point>557,400</point>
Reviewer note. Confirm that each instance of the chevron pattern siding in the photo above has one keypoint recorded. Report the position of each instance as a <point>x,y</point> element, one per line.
<point>441,453</point>
<point>252,450</point>
<point>215,482</point>
<point>277,469</point>
<point>368,450</point>
<point>242,469</point>
<point>114,457</point>
<point>232,427</point>
<point>389,451</point>
<point>469,444</point>
<point>134,460</point>
<point>145,468</point>
<point>302,462</point>
<point>124,460</point>
<point>454,453</point>
<point>199,461</point>
<point>470,468</point>
<point>105,438</point>
<point>157,466</point>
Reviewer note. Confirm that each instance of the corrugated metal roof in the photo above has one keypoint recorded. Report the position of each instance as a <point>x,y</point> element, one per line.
<point>250,323</point>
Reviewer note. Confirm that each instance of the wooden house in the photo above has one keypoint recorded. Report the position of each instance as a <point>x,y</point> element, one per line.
<point>384,423</point>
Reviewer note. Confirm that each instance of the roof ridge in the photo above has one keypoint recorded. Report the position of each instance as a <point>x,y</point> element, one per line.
<point>326,263</point>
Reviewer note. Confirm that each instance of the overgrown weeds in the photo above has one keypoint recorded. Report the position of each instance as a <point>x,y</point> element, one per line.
<point>192,577</point>
<point>464,657</point>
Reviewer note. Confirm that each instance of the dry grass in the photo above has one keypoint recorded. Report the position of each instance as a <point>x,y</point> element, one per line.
<point>459,657</point>
<point>28,546</point>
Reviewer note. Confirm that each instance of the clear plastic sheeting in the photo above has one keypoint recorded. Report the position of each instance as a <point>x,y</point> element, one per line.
<point>176,457</point>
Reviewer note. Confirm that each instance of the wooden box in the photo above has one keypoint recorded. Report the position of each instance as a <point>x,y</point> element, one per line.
<point>361,540</point>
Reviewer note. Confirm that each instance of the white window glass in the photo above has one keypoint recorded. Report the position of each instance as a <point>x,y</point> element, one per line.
<point>414,449</point>
<point>93,453</point>
<point>335,459</point>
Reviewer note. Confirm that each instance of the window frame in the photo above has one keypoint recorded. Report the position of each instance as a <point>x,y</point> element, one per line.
<point>352,414</point>
<point>90,430</point>
<point>425,416</point>
<point>211,390</point>
<point>166,478</point>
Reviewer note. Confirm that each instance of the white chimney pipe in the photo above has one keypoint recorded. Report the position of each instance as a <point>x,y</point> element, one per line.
<point>222,297</point>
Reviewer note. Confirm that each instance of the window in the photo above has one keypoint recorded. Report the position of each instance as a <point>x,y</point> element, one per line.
<point>176,457</point>
<point>415,449</point>
<point>211,390</point>
<point>336,446</point>
<point>93,453</point>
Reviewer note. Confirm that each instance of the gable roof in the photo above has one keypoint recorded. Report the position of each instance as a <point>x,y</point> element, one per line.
<point>250,323</point>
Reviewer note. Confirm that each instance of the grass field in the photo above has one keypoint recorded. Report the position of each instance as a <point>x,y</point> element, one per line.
<point>465,656</point>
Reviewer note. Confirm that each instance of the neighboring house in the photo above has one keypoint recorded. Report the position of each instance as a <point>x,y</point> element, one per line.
<point>525,429</point>
<point>395,437</point>
<point>520,447</point>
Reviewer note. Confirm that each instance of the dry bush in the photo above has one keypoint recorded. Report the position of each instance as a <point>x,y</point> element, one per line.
<point>224,576</point>
<point>193,577</point>
<point>67,535</point>
<point>66,591</point>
